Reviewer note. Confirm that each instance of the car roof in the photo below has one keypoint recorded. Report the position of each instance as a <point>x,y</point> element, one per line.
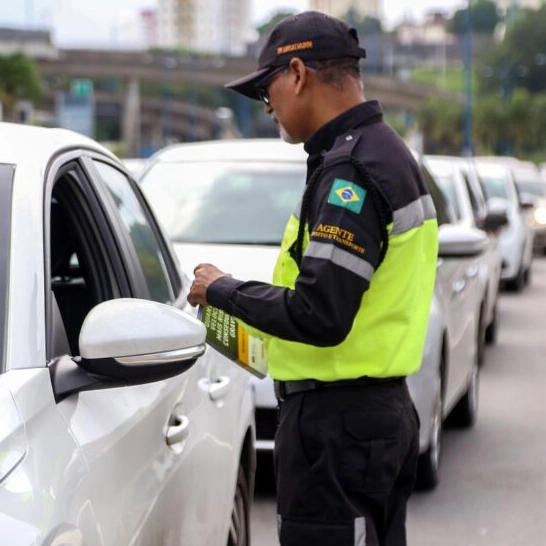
<point>20,143</point>
<point>442,163</point>
<point>251,149</point>
<point>515,164</point>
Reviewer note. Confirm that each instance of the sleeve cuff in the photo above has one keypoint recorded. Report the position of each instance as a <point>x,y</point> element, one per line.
<point>220,291</point>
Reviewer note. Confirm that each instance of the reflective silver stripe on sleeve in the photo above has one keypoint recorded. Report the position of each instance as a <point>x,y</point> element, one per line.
<point>360,532</point>
<point>328,251</point>
<point>413,215</point>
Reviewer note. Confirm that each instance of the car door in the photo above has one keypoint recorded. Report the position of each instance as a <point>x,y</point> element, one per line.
<point>458,283</point>
<point>129,437</point>
<point>199,470</point>
<point>39,457</point>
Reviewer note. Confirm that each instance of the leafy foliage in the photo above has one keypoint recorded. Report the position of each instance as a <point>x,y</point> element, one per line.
<point>520,59</point>
<point>268,26</point>
<point>484,18</point>
<point>19,79</point>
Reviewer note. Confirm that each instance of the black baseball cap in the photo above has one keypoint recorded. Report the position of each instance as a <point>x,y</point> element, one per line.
<point>310,36</point>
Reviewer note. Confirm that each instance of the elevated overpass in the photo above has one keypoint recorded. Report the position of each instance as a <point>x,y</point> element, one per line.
<point>145,115</point>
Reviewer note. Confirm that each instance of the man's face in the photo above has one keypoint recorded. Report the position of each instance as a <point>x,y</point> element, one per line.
<point>282,106</point>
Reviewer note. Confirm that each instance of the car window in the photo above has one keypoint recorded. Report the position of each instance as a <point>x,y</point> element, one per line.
<point>447,184</point>
<point>140,232</point>
<point>6,186</point>
<point>220,202</point>
<point>532,187</point>
<point>79,268</point>
<point>445,213</point>
<point>477,199</point>
<point>495,186</point>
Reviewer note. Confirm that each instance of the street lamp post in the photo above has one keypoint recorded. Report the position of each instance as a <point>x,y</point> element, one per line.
<point>166,108</point>
<point>467,144</point>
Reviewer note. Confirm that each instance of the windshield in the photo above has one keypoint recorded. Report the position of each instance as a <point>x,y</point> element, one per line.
<point>220,202</point>
<point>532,187</point>
<point>495,187</point>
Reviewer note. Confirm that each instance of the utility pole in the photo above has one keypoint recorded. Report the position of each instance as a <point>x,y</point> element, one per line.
<point>467,141</point>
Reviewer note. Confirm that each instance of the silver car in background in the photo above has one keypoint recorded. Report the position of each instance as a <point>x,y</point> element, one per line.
<point>457,177</point>
<point>517,238</point>
<point>227,202</point>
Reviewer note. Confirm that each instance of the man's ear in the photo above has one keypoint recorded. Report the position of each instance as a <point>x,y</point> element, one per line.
<point>299,71</point>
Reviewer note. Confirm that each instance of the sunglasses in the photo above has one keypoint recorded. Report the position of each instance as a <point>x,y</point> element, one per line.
<point>261,85</point>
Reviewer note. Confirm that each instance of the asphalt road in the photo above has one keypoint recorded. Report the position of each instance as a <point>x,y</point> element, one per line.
<point>493,484</point>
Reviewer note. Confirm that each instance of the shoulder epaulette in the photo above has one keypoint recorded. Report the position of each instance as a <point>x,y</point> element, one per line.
<point>342,149</point>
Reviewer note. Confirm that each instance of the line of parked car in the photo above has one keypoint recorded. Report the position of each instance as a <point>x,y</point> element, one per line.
<point>227,202</point>
<point>119,424</point>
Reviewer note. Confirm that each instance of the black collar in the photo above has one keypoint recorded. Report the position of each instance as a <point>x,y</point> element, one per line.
<point>361,114</point>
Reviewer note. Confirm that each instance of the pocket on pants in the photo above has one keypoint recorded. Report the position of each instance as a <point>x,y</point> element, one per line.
<point>370,451</point>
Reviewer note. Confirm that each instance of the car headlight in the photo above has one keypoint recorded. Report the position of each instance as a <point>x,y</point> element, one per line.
<point>540,216</point>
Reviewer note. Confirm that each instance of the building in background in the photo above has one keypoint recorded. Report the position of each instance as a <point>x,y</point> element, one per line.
<point>207,26</point>
<point>35,44</point>
<point>338,8</point>
<point>149,23</point>
<point>434,30</point>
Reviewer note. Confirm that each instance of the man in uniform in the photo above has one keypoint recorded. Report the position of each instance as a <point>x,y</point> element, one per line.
<point>346,316</point>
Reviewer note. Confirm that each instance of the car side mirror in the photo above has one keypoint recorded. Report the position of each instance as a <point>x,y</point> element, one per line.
<point>496,217</point>
<point>527,201</point>
<point>129,341</point>
<point>457,241</point>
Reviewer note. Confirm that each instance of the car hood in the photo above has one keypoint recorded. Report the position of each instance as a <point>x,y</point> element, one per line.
<point>244,262</point>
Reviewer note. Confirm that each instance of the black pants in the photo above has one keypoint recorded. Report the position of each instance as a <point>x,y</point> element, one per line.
<point>345,465</point>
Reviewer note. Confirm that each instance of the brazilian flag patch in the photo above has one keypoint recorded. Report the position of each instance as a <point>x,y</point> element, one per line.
<point>347,195</point>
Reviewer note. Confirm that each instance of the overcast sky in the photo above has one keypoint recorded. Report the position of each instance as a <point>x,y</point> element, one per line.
<point>77,22</point>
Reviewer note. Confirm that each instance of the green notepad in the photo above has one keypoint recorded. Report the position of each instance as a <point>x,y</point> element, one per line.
<point>229,338</point>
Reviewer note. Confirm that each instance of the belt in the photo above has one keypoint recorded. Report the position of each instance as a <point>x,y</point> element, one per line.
<point>287,388</point>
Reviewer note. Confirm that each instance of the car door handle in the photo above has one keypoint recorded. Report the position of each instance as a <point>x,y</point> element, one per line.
<point>220,388</point>
<point>179,430</point>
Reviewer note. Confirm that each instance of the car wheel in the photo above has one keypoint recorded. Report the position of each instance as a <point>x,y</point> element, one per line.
<point>481,337</point>
<point>464,413</point>
<point>239,529</point>
<point>491,329</point>
<point>428,468</point>
<point>527,277</point>
<point>518,282</point>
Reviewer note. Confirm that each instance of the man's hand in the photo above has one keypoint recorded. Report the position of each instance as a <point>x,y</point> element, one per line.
<point>205,275</point>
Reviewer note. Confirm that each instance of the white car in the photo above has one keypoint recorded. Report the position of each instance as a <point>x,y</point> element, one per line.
<point>517,239</point>
<point>457,177</point>
<point>531,190</point>
<point>119,425</point>
<point>531,186</point>
<point>227,202</point>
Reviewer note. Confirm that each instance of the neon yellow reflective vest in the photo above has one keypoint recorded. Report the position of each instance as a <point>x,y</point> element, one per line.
<point>389,330</point>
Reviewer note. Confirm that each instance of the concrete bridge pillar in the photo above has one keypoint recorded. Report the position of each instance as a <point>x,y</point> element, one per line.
<point>131,119</point>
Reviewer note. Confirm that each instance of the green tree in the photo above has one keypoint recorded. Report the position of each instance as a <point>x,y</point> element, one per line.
<point>19,79</point>
<point>490,119</point>
<point>537,124</point>
<point>484,20</point>
<point>268,26</point>
<point>364,25</point>
<point>441,123</point>
<point>520,59</point>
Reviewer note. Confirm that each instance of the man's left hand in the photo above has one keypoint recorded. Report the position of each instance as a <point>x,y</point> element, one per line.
<point>205,275</point>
